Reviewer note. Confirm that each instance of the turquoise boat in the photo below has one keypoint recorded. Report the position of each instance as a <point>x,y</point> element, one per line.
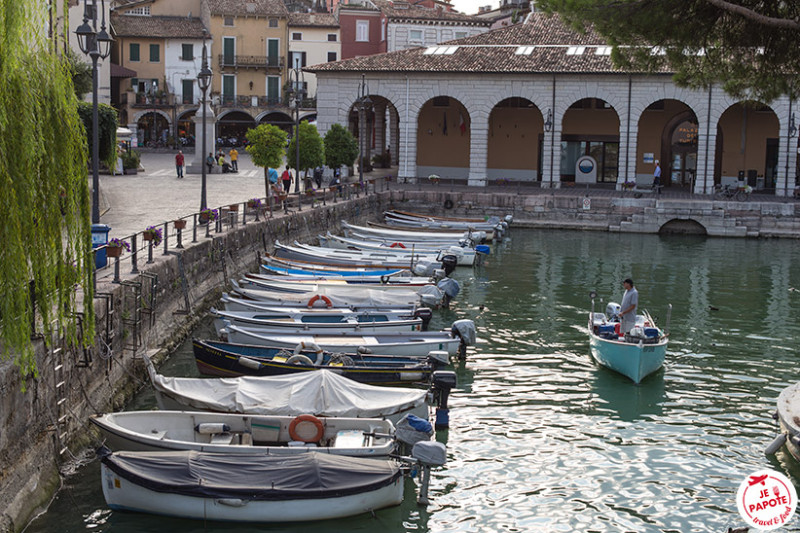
<point>635,355</point>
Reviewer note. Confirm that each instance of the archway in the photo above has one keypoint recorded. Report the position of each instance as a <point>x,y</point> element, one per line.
<point>277,118</point>
<point>747,146</point>
<point>682,227</point>
<point>590,128</point>
<point>667,132</point>
<point>186,134</point>
<point>232,128</point>
<point>443,138</point>
<point>153,129</point>
<point>516,134</point>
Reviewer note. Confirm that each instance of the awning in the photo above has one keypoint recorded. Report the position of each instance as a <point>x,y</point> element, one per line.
<point>118,71</point>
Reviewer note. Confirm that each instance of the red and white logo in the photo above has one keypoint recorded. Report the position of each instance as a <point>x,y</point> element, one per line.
<point>766,499</point>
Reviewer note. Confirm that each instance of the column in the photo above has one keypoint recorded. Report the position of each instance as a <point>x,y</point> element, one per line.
<point>551,158</point>
<point>706,148</point>
<point>478,149</point>
<point>380,127</point>
<point>201,150</point>
<point>394,135</point>
<point>407,152</point>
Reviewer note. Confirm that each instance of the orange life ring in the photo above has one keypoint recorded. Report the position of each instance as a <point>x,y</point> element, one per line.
<point>397,244</point>
<point>316,297</point>
<point>303,435</point>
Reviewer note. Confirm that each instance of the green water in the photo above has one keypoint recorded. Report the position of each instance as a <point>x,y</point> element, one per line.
<point>541,439</point>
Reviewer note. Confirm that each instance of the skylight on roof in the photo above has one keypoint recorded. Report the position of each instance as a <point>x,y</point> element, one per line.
<point>658,51</point>
<point>603,51</point>
<point>575,50</point>
<point>524,50</point>
<point>440,50</point>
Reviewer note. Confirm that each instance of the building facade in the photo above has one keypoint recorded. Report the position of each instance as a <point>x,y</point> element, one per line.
<point>313,39</point>
<point>536,101</point>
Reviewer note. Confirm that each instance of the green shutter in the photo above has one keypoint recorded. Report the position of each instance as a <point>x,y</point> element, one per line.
<point>273,51</point>
<point>228,50</point>
<point>273,89</point>
<point>188,91</point>
<point>155,53</point>
<point>134,52</point>
<point>228,87</point>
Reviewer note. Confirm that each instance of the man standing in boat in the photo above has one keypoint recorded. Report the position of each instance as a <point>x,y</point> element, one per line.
<point>630,303</point>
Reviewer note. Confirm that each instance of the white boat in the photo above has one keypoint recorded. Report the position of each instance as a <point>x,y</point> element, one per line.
<point>417,235</point>
<point>271,260</point>
<point>411,220</point>
<point>249,488</point>
<point>418,344</point>
<point>323,393</point>
<point>233,433</point>
<point>232,303</point>
<point>313,285</point>
<point>391,258</point>
<point>464,254</point>
<point>635,355</point>
<point>788,418</point>
<point>262,322</point>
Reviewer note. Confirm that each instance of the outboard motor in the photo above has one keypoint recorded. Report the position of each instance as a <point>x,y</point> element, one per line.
<point>412,429</point>
<point>442,382</point>
<point>464,330</point>
<point>425,269</point>
<point>612,310</point>
<point>431,296</point>
<point>481,251</point>
<point>509,219</point>
<point>499,231</point>
<point>428,454</point>
<point>450,288</point>
<point>449,262</point>
<point>425,314</point>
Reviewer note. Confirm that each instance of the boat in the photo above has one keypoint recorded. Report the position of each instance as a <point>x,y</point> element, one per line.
<point>226,359</point>
<point>315,315</point>
<point>635,355</point>
<point>323,393</point>
<point>335,324</point>
<point>281,283</point>
<point>416,235</point>
<point>374,276</point>
<point>788,417</point>
<point>248,487</point>
<point>233,433</point>
<point>506,221</point>
<point>387,259</point>
<point>232,303</point>
<point>419,344</point>
<point>412,220</point>
<point>464,254</point>
<point>271,260</point>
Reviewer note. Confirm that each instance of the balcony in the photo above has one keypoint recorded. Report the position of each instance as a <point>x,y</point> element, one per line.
<point>245,101</point>
<point>265,62</point>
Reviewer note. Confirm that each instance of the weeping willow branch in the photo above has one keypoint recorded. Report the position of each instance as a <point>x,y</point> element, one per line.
<point>45,234</point>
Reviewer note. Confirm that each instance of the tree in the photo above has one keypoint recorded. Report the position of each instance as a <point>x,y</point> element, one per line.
<point>107,121</point>
<point>44,190</point>
<point>341,147</point>
<point>81,74</point>
<point>265,146</point>
<point>311,149</point>
<point>749,46</point>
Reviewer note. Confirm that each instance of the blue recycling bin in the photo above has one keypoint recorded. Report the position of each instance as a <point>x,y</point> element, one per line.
<point>100,238</point>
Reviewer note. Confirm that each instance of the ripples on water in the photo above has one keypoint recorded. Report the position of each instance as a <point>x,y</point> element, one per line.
<point>541,439</point>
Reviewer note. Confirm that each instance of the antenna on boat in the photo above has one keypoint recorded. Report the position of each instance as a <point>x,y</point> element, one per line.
<point>669,315</point>
<point>593,295</point>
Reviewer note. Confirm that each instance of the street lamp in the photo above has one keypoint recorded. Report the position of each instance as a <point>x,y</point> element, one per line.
<point>203,81</point>
<point>296,96</point>
<point>153,89</point>
<point>96,44</point>
<point>364,103</point>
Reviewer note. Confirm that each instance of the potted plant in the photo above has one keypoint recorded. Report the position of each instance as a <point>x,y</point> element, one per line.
<point>179,223</point>
<point>208,215</point>
<point>254,203</point>
<point>115,246</point>
<point>233,207</point>
<point>130,161</point>
<point>153,234</point>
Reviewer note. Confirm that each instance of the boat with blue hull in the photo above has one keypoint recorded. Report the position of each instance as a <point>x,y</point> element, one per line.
<point>635,355</point>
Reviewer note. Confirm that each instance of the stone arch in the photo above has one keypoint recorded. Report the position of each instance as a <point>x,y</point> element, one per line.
<point>232,126</point>
<point>153,126</point>
<point>443,138</point>
<point>682,226</point>
<point>515,139</point>
<point>186,127</point>
<point>591,127</point>
<point>667,132</point>
<point>276,118</point>
<point>747,146</point>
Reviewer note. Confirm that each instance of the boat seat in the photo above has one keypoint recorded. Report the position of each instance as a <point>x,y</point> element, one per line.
<point>222,438</point>
<point>159,434</point>
<point>246,439</point>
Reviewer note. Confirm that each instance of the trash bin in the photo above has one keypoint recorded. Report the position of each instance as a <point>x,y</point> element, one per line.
<point>100,238</point>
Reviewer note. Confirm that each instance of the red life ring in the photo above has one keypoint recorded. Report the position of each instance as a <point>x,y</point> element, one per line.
<point>316,297</point>
<point>303,434</point>
<point>396,244</point>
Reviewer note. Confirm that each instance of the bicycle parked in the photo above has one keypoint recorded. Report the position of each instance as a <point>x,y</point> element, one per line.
<point>732,192</point>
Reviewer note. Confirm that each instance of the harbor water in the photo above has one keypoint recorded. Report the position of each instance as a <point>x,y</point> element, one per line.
<point>540,437</point>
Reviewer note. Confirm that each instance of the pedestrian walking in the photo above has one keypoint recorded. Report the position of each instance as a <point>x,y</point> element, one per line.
<point>179,163</point>
<point>657,178</point>
<point>234,155</point>
<point>318,177</point>
<point>210,162</point>
<point>286,178</point>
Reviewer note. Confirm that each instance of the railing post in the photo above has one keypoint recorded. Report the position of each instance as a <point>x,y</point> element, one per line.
<point>134,255</point>
<point>194,228</point>
<point>166,238</point>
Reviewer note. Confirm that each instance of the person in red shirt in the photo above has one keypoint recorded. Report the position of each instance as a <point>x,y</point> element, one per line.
<point>179,163</point>
<point>286,179</point>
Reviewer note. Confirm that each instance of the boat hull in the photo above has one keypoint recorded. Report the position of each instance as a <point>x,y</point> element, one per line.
<point>635,361</point>
<point>788,412</point>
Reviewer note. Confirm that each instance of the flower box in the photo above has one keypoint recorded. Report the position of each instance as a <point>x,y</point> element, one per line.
<point>179,224</point>
<point>233,207</point>
<point>114,251</point>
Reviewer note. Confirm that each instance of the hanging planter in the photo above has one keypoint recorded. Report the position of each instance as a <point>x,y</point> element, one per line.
<point>254,203</point>
<point>115,247</point>
<point>208,215</point>
<point>153,234</point>
<point>179,224</point>
<point>233,207</point>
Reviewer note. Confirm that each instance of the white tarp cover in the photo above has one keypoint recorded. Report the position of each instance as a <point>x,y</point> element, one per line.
<point>321,393</point>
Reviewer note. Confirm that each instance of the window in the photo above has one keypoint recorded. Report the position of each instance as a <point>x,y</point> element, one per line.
<point>332,37</point>
<point>273,52</point>
<point>227,21</point>
<point>145,10</point>
<point>331,57</point>
<point>606,153</point>
<point>229,51</point>
<point>188,91</point>
<point>294,57</point>
<point>362,31</point>
<point>155,53</point>
<point>415,35</point>
<point>135,84</point>
<point>273,23</point>
<point>273,89</point>
<point>133,55</point>
<point>297,36</point>
<point>228,89</point>
<point>187,52</point>
<point>461,34</point>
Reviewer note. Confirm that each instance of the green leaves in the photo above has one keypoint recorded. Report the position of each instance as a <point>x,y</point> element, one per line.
<point>341,148</point>
<point>311,148</point>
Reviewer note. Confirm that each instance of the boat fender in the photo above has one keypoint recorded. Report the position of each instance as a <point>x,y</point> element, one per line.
<point>317,297</point>
<point>232,502</point>
<point>363,350</point>
<point>300,359</point>
<point>249,363</point>
<point>448,204</point>
<point>212,428</point>
<point>776,444</point>
<point>300,428</point>
<point>309,347</point>
<point>384,280</point>
<point>397,245</point>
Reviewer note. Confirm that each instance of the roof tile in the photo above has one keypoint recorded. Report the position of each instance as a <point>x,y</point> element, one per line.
<point>157,26</point>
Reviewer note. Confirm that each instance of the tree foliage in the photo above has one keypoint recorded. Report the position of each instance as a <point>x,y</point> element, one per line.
<point>45,235</point>
<point>80,72</point>
<point>341,147</point>
<point>311,148</point>
<point>265,147</point>
<point>107,122</point>
<point>748,46</point>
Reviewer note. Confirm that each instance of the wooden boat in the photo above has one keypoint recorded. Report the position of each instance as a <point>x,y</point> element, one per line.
<point>232,433</point>
<point>335,324</point>
<point>418,344</point>
<point>464,254</point>
<point>323,393</point>
<point>225,359</point>
<point>249,487</point>
<point>635,355</point>
<point>788,418</point>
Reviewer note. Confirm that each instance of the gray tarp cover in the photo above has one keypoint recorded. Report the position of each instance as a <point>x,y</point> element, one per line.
<point>321,393</point>
<point>252,477</point>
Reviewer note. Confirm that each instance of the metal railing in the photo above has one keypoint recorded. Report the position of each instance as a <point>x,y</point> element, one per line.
<point>250,61</point>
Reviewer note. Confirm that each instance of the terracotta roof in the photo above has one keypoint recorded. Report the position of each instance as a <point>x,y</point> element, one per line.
<point>248,8</point>
<point>394,11</point>
<point>157,26</point>
<point>315,20</point>
<point>543,44</point>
